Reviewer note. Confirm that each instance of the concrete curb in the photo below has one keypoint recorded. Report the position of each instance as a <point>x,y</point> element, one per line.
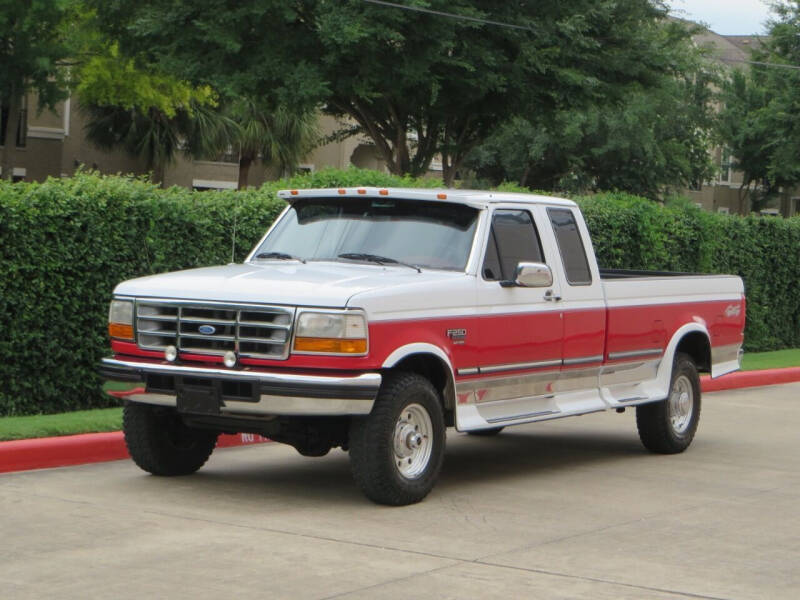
<point>45,453</point>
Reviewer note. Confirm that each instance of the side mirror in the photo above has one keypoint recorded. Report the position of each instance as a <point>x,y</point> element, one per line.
<point>533,275</point>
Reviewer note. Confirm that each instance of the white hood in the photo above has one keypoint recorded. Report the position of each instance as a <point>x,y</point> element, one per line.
<point>322,284</point>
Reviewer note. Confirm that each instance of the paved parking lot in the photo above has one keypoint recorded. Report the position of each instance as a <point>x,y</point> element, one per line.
<point>566,509</point>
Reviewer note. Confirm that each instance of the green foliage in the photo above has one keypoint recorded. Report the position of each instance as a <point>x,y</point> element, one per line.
<point>760,121</point>
<point>68,242</point>
<point>110,80</point>
<point>644,139</point>
<point>450,81</point>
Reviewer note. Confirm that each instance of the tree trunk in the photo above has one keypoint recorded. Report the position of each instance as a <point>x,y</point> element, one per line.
<point>12,130</point>
<point>158,173</point>
<point>244,170</point>
<point>523,181</point>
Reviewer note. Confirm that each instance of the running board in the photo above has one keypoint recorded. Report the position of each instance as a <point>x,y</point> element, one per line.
<point>532,415</point>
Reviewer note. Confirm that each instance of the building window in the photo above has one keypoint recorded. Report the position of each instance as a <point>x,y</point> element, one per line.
<point>206,185</point>
<point>725,166</point>
<point>305,169</point>
<point>22,131</point>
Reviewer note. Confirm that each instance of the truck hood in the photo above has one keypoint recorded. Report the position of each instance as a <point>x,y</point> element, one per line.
<point>322,284</point>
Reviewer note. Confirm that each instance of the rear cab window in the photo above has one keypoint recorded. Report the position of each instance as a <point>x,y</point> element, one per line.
<point>570,246</point>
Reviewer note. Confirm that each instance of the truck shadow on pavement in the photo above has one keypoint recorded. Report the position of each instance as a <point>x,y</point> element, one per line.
<point>469,462</point>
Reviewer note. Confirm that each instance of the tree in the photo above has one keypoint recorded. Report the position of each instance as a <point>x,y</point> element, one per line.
<point>417,83</point>
<point>34,37</point>
<point>280,135</point>
<point>646,140</point>
<point>760,121</point>
<point>148,113</point>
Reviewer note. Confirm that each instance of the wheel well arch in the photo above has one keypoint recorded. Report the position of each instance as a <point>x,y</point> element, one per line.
<point>435,370</point>
<point>698,347</point>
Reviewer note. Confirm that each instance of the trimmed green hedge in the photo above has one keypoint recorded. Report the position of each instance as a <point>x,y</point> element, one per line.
<point>66,243</point>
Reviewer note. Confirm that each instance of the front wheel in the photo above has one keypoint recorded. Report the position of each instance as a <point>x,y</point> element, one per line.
<point>161,444</point>
<point>668,426</point>
<point>396,452</point>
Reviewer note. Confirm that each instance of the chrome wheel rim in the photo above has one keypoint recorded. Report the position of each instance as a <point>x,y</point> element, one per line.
<point>681,404</point>
<point>413,441</point>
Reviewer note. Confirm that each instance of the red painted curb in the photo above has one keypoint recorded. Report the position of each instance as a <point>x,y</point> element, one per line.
<point>69,450</point>
<point>745,379</point>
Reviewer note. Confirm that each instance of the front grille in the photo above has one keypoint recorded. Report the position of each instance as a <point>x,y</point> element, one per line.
<point>250,331</point>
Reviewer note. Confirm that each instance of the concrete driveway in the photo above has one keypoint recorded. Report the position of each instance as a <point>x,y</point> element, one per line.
<point>567,509</point>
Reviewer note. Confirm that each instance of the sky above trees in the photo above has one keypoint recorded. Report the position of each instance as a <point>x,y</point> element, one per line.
<point>726,17</point>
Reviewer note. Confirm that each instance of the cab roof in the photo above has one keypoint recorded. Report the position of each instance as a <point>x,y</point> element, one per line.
<point>474,198</point>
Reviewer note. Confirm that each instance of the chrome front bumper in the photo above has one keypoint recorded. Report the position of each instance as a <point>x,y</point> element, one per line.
<point>270,393</point>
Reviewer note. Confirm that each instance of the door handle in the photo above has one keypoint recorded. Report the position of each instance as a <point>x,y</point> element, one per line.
<point>549,296</point>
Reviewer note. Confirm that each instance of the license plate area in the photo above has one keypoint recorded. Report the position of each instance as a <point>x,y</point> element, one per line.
<point>205,396</point>
<point>198,396</point>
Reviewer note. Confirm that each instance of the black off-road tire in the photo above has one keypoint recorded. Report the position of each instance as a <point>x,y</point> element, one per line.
<point>486,432</point>
<point>404,400</point>
<point>664,427</point>
<point>161,444</point>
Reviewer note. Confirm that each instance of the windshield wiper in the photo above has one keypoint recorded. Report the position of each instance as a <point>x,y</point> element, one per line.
<point>381,260</point>
<point>280,256</point>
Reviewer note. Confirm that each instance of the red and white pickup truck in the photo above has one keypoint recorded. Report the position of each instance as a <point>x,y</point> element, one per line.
<point>373,319</point>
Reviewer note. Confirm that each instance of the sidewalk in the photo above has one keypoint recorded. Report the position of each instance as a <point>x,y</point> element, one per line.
<point>44,453</point>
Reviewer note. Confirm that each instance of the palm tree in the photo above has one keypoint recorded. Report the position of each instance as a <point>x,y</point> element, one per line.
<point>157,137</point>
<point>280,136</point>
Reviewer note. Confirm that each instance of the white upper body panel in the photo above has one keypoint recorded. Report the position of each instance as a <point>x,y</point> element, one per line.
<point>319,284</point>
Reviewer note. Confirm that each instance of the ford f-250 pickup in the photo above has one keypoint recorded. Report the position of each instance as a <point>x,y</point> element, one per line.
<point>373,319</point>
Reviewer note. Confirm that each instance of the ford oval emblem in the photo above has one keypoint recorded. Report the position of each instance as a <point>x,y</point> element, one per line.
<point>207,329</point>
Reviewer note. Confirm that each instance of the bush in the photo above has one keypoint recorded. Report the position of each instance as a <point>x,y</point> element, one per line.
<point>67,242</point>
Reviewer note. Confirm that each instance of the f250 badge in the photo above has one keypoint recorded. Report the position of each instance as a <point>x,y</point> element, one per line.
<point>457,335</point>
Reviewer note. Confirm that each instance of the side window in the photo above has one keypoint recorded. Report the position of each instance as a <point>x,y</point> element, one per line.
<point>513,239</point>
<point>570,244</point>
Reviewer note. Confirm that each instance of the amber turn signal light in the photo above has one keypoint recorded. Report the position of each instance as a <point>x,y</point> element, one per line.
<point>332,345</point>
<point>120,331</point>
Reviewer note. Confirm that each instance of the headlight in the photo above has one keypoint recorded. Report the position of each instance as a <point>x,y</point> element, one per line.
<point>120,320</point>
<point>331,333</point>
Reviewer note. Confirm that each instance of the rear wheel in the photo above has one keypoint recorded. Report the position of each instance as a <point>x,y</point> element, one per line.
<point>668,427</point>
<point>160,443</point>
<point>396,452</point>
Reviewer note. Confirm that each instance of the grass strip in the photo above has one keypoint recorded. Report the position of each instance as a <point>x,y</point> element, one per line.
<point>81,421</point>
<point>778,359</point>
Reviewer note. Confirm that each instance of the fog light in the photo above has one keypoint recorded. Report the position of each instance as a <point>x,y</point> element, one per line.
<point>229,359</point>
<point>171,353</point>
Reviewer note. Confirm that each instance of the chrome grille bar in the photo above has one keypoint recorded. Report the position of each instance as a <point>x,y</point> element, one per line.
<point>250,330</point>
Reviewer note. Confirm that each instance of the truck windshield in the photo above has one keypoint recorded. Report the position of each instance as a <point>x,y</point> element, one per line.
<point>436,235</point>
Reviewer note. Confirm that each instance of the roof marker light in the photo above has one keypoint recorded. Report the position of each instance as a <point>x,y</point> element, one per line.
<point>342,191</point>
<point>294,192</point>
<point>362,191</point>
<point>383,192</point>
<point>441,196</point>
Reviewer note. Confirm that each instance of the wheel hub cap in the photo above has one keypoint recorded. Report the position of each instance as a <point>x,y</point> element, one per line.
<point>412,441</point>
<point>681,404</point>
